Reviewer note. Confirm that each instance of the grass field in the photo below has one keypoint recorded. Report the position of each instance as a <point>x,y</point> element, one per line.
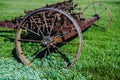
<point>100,58</point>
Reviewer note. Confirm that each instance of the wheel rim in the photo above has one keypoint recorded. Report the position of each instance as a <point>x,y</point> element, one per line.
<point>41,35</point>
<point>101,10</point>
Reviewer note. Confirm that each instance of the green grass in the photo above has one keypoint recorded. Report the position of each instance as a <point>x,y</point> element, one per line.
<point>100,58</point>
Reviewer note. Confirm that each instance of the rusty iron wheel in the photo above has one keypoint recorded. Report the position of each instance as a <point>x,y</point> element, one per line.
<point>100,10</point>
<point>51,34</point>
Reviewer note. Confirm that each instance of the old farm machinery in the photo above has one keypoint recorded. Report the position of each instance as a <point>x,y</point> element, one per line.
<point>55,31</point>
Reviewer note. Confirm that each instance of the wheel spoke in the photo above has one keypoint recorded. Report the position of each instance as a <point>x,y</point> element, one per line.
<point>44,17</point>
<point>53,24</point>
<point>27,40</point>
<point>36,54</point>
<point>94,7</point>
<point>102,11</point>
<point>62,55</point>
<point>63,50</point>
<point>98,25</point>
<point>45,54</point>
<point>37,26</point>
<point>56,50</point>
<point>48,50</point>
<point>31,31</point>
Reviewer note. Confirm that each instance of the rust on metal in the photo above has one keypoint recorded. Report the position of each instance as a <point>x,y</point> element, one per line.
<point>7,24</point>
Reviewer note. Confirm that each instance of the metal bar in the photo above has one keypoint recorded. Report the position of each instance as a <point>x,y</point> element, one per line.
<point>7,24</point>
<point>88,23</point>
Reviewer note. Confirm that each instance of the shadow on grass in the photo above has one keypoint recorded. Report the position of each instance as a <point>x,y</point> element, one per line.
<point>15,56</point>
<point>7,38</point>
<point>7,34</point>
<point>41,55</point>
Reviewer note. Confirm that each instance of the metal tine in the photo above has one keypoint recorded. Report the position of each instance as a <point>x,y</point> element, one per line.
<point>37,26</point>
<point>30,30</point>
<point>53,24</point>
<point>46,24</point>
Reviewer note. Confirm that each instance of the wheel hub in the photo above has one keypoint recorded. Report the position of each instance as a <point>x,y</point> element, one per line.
<point>47,41</point>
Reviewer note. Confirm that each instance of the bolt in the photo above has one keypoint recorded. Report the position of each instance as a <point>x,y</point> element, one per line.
<point>45,42</point>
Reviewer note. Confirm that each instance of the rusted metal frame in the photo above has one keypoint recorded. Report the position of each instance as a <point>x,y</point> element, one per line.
<point>7,24</point>
<point>69,32</point>
<point>87,23</point>
<point>83,26</point>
